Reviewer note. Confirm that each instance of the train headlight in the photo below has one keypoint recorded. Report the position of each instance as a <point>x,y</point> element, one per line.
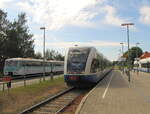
<point>73,77</point>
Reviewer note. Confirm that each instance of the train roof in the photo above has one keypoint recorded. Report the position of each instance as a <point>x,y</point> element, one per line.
<point>23,59</point>
<point>31,59</point>
<point>55,61</point>
<point>91,47</point>
<point>82,47</point>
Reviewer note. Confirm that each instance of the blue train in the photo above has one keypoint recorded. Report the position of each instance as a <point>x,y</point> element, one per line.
<point>84,66</point>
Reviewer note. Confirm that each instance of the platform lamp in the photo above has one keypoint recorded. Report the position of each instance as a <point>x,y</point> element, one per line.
<point>127,25</point>
<point>122,46</point>
<point>43,28</point>
<point>136,49</point>
<point>137,55</point>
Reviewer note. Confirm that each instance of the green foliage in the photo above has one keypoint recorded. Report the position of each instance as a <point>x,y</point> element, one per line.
<point>4,23</point>
<point>1,75</point>
<point>38,55</point>
<point>135,52</point>
<point>50,55</point>
<point>18,41</point>
<point>53,55</point>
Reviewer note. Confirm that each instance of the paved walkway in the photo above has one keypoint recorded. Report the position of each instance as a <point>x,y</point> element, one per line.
<point>114,95</point>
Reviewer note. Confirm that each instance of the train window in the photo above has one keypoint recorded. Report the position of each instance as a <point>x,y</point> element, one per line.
<point>77,59</point>
<point>93,69</point>
<point>11,63</point>
<point>58,64</point>
<point>22,63</point>
<point>94,66</point>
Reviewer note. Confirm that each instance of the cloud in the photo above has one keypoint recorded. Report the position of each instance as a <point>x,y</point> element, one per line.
<point>63,44</point>
<point>55,14</point>
<point>57,43</point>
<point>4,3</point>
<point>111,16</point>
<point>145,14</point>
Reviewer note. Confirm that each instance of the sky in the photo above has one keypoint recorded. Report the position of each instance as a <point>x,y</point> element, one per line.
<point>84,23</point>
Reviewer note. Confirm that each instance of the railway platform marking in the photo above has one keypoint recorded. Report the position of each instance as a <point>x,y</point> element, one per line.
<point>126,102</point>
<point>103,96</point>
<point>86,96</point>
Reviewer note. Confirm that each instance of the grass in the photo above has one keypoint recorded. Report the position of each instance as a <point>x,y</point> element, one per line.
<point>23,97</point>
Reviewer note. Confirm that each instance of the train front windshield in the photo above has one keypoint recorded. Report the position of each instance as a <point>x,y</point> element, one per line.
<point>77,60</point>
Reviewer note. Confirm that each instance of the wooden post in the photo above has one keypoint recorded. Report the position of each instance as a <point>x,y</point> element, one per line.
<point>3,86</point>
<point>51,76</point>
<point>24,80</point>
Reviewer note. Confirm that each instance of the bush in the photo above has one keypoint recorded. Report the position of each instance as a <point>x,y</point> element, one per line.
<point>1,74</point>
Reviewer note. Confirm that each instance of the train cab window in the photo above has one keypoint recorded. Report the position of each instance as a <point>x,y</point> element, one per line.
<point>94,66</point>
<point>77,60</point>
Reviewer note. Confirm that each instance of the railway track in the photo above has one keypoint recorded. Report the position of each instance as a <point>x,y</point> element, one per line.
<point>55,104</point>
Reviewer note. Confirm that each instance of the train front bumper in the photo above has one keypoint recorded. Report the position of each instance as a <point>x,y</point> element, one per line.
<point>81,80</point>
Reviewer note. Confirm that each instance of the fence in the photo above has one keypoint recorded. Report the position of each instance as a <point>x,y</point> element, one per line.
<point>26,80</point>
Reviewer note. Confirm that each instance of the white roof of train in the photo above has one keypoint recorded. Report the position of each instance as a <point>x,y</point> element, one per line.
<point>76,47</point>
<point>23,59</point>
<point>81,47</point>
<point>30,59</point>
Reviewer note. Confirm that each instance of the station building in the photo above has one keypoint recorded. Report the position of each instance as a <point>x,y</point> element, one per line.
<point>145,55</point>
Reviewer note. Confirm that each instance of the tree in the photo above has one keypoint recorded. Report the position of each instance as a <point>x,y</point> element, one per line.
<point>4,25</point>
<point>18,41</point>
<point>59,57</point>
<point>38,55</point>
<point>134,53</point>
<point>53,55</point>
<point>50,54</point>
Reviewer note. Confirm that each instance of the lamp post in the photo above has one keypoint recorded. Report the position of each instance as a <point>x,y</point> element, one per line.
<point>43,28</point>
<point>127,25</point>
<point>122,47</point>
<point>137,55</point>
<point>122,56</point>
<point>137,50</point>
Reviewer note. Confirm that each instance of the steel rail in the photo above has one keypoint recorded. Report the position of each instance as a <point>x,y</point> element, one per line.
<point>63,108</point>
<point>36,106</point>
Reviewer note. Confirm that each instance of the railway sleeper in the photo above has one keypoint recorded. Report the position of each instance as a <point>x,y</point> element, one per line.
<point>40,112</point>
<point>53,105</point>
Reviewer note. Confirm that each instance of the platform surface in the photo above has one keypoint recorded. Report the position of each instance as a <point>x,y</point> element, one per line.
<point>115,95</point>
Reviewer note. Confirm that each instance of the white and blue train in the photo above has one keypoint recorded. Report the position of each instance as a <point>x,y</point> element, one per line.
<point>84,66</point>
<point>142,65</point>
<point>26,66</point>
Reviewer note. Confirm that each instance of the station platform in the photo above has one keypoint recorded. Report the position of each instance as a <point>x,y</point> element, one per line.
<point>115,95</point>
